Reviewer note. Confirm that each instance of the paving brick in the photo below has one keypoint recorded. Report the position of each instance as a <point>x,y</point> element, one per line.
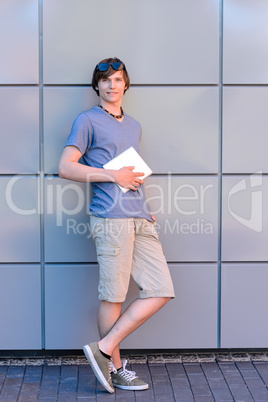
<point>204,399</point>
<point>259,395</point>
<point>124,395</point>
<point>69,372</point>
<point>211,370</point>
<point>86,386</point>
<point>33,374</point>
<point>140,369</point>
<point>175,369</point>
<point>85,370</point>
<point>245,365</point>
<point>157,369</point>
<point>66,398</point>
<point>3,370</point>
<point>29,392</point>
<point>67,387</point>
<point>228,367</point>
<point>185,396</point>
<point>193,368</point>
<point>201,391</point>
<point>145,396</point>
<point>15,372</point>
<point>262,369</point>
<point>49,388</point>
<point>222,396</point>
<point>103,396</point>
<point>51,371</point>
<point>162,389</point>
<point>257,389</point>
<point>220,388</point>
<point>68,383</point>
<point>161,384</point>
<point>10,391</point>
<point>180,383</point>
<point>240,392</point>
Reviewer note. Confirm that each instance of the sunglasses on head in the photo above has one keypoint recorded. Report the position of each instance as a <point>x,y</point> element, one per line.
<point>116,66</point>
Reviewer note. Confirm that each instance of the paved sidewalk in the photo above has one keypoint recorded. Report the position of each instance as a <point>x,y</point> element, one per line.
<point>177,377</point>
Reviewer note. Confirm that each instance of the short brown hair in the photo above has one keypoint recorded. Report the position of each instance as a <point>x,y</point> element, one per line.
<point>99,75</point>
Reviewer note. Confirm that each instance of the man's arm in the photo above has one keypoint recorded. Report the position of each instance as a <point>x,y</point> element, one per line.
<point>69,168</point>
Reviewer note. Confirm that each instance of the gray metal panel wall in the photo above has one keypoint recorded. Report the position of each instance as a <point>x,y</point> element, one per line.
<point>199,74</point>
<point>73,330</point>
<point>179,41</point>
<point>20,221</point>
<point>244,305</point>
<point>20,297</point>
<point>19,125</point>
<point>245,42</point>
<point>19,42</point>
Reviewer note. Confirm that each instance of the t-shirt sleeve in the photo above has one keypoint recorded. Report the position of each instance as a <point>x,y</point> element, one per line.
<point>81,134</point>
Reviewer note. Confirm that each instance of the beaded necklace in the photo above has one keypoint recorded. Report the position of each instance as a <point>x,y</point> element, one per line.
<point>118,116</point>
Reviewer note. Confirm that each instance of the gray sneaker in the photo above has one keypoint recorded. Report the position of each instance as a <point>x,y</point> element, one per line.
<point>101,366</point>
<point>128,380</point>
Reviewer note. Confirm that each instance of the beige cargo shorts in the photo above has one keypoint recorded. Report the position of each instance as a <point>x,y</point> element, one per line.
<point>129,247</point>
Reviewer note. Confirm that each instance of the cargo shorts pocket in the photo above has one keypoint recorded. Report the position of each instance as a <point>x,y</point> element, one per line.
<point>108,263</point>
<point>148,228</point>
<point>108,251</point>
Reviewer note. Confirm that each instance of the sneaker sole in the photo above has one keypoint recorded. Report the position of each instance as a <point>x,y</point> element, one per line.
<point>132,388</point>
<point>97,371</point>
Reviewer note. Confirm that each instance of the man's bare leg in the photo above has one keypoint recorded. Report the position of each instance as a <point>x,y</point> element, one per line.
<point>108,314</point>
<point>135,315</point>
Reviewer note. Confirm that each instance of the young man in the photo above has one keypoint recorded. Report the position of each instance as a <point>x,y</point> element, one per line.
<point>122,227</point>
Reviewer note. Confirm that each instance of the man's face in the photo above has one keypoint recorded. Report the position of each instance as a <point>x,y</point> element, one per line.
<point>112,89</point>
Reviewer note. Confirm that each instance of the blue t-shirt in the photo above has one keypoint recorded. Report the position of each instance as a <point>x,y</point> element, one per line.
<point>100,137</point>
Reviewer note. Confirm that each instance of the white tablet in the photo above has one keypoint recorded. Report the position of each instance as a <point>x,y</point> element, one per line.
<point>129,157</point>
